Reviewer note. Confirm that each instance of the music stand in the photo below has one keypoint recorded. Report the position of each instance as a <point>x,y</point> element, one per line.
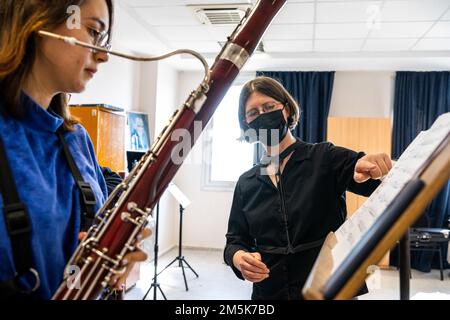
<point>425,169</point>
<point>155,285</point>
<point>184,202</point>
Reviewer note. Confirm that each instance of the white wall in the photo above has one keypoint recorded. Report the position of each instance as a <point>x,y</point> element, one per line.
<point>362,94</point>
<point>205,220</point>
<point>167,100</point>
<point>148,93</point>
<point>116,83</point>
<point>166,104</point>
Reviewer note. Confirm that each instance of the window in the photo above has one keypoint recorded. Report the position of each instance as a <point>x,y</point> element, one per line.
<point>225,158</point>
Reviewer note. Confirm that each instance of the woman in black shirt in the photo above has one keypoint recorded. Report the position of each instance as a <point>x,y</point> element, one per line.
<point>284,208</point>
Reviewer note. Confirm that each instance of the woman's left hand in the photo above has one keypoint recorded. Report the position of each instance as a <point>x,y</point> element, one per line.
<point>372,166</point>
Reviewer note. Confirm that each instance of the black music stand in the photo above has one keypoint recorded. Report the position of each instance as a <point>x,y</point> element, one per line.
<point>184,202</point>
<point>155,285</point>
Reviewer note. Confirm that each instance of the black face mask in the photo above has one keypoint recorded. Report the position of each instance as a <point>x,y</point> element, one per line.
<point>267,122</point>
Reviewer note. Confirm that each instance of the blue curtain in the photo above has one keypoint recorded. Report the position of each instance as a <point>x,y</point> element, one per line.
<point>420,97</point>
<point>312,91</point>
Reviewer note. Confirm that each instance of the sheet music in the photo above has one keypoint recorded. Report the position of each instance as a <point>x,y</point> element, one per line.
<point>179,195</point>
<point>409,165</point>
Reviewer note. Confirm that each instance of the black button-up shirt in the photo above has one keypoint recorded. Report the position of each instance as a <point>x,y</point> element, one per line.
<point>314,181</point>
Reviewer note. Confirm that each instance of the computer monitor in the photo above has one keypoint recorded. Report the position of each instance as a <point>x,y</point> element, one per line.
<point>133,158</point>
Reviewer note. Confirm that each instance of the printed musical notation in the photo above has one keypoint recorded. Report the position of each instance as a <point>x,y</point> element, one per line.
<point>408,166</point>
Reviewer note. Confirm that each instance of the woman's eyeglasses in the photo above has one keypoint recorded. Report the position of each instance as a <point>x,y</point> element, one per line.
<point>254,113</point>
<point>99,39</point>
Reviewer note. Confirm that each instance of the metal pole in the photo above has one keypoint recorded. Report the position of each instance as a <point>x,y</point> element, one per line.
<point>155,285</point>
<point>180,238</point>
<point>404,266</point>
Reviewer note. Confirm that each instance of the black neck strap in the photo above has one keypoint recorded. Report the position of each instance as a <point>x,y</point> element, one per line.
<point>18,226</point>
<point>87,196</point>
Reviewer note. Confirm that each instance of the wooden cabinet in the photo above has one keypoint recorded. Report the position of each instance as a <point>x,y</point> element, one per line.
<point>371,135</point>
<point>106,128</point>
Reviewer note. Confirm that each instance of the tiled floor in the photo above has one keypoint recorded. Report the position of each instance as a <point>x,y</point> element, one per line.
<point>218,282</point>
<point>423,286</point>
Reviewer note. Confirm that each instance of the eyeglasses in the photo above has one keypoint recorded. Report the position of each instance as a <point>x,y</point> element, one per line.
<point>254,113</point>
<point>99,39</point>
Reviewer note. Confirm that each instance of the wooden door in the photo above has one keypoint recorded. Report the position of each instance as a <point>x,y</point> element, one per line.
<point>370,135</point>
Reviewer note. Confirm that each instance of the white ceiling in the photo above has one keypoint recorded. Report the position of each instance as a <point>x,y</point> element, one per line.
<point>306,34</point>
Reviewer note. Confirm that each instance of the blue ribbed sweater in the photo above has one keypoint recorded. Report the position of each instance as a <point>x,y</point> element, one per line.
<point>46,186</point>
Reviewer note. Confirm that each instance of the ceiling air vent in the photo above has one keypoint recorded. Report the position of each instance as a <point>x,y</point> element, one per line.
<point>219,15</point>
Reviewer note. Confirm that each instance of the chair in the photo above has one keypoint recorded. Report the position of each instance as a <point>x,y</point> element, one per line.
<point>430,239</point>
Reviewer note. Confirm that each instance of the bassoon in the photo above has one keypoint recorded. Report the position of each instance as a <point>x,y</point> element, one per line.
<point>118,223</point>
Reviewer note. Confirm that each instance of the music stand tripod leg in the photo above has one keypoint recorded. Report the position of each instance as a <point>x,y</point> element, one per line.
<point>180,258</point>
<point>189,266</point>
<point>168,266</point>
<point>155,285</point>
<point>184,276</point>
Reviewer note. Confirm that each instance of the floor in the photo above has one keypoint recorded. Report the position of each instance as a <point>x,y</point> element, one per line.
<point>216,281</point>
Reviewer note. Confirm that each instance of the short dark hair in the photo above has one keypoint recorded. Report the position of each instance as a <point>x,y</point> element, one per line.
<point>271,88</point>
